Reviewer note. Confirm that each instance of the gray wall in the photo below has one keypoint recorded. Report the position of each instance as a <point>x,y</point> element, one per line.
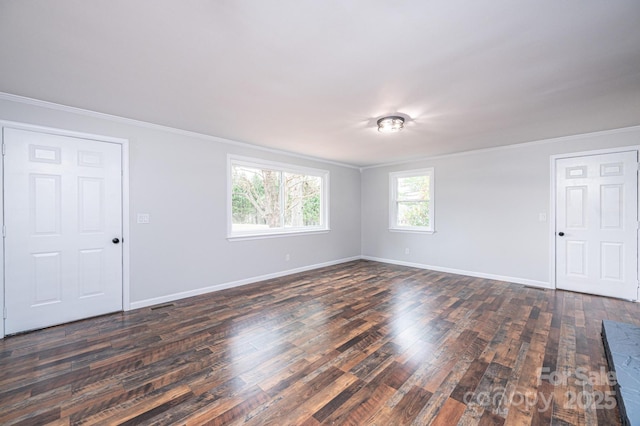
<point>487,206</point>
<point>181,181</point>
<point>487,209</point>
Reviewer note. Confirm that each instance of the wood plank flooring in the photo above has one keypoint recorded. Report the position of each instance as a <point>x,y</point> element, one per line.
<point>360,343</point>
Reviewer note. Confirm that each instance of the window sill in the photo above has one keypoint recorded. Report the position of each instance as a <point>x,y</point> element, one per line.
<point>412,230</point>
<point>243,237</point>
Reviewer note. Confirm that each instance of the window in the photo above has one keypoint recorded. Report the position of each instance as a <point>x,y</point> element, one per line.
<point>270,198</point>
<point>411,201</point>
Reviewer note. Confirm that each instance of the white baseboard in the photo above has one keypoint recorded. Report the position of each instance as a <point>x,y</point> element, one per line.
<point>524,281</point>
<point>197,292</point>
<point>182,295</point>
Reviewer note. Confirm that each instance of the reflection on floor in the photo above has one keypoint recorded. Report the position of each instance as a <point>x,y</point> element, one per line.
<point>358,343</point>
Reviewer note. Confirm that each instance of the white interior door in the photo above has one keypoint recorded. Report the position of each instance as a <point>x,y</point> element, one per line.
<point>63,220</point>
<point>597,224</point>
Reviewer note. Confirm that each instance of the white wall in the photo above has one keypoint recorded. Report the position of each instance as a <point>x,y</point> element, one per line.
<point>487,206</point>
<point>180,179</point>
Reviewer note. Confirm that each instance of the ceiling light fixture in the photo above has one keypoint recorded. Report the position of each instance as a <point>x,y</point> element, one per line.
<point>391,124</point>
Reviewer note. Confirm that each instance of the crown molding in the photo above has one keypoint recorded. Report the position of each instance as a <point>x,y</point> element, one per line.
<point>144,124</point>
<point>507,147</point>
<point>147,125</point>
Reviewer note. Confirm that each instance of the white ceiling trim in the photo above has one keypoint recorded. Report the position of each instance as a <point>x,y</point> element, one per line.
<point>312,78</point>
<point>138,123</point>
<point>507,147</point>
<point>153,126</point>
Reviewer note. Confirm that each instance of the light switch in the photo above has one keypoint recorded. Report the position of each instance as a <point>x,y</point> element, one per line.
<point>144,218</point>
<point>542,217</point>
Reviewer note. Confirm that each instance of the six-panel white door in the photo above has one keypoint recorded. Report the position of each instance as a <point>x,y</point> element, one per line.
<point>63,219</point>
<point>596,224</point>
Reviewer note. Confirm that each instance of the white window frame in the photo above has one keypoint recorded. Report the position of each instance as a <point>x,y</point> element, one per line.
<point>393,201</point>
<point>283,168</point>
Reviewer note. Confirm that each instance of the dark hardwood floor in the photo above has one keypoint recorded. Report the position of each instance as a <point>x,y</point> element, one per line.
<point>358,343</point>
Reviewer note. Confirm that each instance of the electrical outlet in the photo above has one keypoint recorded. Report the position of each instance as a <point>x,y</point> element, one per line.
<point>287,257</point>
<point>407,251</point>
<point>144,218</point>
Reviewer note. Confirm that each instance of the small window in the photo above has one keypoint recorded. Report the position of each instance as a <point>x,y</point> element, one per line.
<point>411,201</point>
<point>270,198</point>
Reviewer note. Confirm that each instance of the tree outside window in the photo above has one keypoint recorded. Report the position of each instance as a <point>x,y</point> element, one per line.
<point>269,199</point>
<point>411,200</point>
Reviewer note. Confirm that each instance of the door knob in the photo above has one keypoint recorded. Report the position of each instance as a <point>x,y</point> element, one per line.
<point>561,234</point>
<point>115,240</point>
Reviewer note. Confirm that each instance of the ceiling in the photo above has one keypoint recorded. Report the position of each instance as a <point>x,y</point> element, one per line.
<point>312,77</point>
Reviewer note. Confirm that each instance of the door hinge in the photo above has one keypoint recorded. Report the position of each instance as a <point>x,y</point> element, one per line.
<point>4,231</point>
<point>4,313</point>
<point>4,149</point>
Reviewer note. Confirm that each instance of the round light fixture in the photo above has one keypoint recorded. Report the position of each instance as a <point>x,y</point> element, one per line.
<point>391,124</point>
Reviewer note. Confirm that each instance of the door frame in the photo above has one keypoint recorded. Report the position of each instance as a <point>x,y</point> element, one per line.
<point>126,294</point>
<point>553,207</point>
